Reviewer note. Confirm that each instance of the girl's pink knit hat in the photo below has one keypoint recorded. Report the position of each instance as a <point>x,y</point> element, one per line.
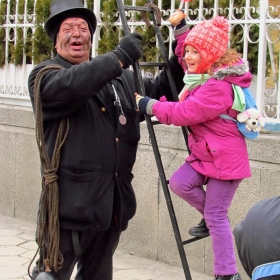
<point>210,38</point>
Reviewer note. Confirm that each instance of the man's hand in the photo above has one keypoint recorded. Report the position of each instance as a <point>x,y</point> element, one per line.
<point>129,49</point>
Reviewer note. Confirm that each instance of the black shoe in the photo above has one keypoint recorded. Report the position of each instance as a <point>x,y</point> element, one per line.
<point>229,277</point>
<point>200,230</point>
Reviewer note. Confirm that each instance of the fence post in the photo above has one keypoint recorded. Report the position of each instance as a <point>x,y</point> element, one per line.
<point>262,58</point>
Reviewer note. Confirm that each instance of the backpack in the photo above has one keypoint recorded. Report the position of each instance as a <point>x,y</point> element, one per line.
<point>249,121</point>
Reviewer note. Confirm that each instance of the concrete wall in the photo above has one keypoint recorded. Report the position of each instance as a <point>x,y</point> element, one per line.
<point>150,232</point>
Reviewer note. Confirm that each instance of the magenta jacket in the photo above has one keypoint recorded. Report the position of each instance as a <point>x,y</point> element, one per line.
<point>218,149</point>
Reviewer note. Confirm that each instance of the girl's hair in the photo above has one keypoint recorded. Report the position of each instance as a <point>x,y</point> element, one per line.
<point>230,57</point>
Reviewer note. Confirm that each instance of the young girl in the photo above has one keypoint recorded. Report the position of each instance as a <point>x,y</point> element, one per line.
<point>219,157</point>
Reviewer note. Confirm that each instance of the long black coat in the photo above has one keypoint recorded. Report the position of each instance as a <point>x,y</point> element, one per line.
<point>95,170</point>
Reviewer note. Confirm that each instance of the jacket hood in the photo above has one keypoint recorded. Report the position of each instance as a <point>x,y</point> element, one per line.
<point>237,74</point>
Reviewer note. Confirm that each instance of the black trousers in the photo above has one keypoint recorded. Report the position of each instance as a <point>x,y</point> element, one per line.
<point>95,261</point>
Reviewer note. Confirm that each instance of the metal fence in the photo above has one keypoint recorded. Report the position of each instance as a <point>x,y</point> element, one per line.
<point>265,86</point>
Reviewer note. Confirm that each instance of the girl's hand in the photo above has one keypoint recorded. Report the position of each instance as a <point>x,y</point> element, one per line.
<point>176,17</point>
<point>137,98</point>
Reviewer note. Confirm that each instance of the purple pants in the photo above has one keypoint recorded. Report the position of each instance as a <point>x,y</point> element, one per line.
<point>213,204</point>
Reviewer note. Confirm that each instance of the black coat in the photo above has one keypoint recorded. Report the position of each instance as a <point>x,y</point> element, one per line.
<point>257,237</point>
<point>95,170</point>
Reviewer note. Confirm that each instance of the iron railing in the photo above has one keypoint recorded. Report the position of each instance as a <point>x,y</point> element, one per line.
<point>13,79</point>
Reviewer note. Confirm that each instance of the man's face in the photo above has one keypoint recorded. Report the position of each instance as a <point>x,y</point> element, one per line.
<point>73,41</point>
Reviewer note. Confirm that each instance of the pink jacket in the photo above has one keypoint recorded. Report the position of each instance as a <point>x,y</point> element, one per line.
<point>218,149</point>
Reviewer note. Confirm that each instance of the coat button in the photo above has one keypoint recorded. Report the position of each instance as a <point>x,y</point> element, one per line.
<point>117,139</point>
<point>213,151</point>
<point>103,109</point>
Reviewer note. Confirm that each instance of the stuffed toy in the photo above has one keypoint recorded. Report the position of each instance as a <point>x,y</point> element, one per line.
<point>252,118</point>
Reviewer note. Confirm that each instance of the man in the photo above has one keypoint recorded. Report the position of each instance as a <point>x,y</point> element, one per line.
<point>257,238</point>
<point>91,186</point>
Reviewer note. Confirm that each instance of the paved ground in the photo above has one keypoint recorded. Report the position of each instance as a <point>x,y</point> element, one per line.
<point>17,248</point>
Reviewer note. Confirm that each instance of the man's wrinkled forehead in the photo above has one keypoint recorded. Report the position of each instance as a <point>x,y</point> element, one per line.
<point>71,18</point>
<point>75,21</point>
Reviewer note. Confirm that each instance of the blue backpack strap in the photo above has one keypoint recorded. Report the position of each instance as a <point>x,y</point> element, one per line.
<point>266,270</point>
<point>227,117</point>
<point>249,99</point>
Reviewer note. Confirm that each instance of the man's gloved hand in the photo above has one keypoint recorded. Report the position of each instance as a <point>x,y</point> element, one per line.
<point>129,49</point>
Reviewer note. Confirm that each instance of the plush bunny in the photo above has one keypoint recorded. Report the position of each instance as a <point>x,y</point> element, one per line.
<point>252,118</point>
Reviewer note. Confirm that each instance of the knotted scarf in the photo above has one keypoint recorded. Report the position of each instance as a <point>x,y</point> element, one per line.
<point>192,81</point>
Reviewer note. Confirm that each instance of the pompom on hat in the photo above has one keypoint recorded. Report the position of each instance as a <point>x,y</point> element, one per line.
<point>63,9</point>
<point>210,38</point>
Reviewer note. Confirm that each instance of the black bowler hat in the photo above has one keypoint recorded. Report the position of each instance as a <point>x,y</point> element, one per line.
<point>62,9</point>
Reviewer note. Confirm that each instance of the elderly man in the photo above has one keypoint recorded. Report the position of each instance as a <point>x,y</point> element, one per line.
<point>91,186</point>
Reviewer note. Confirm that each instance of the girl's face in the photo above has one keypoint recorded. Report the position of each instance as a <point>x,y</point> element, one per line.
<point>192,58</point>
